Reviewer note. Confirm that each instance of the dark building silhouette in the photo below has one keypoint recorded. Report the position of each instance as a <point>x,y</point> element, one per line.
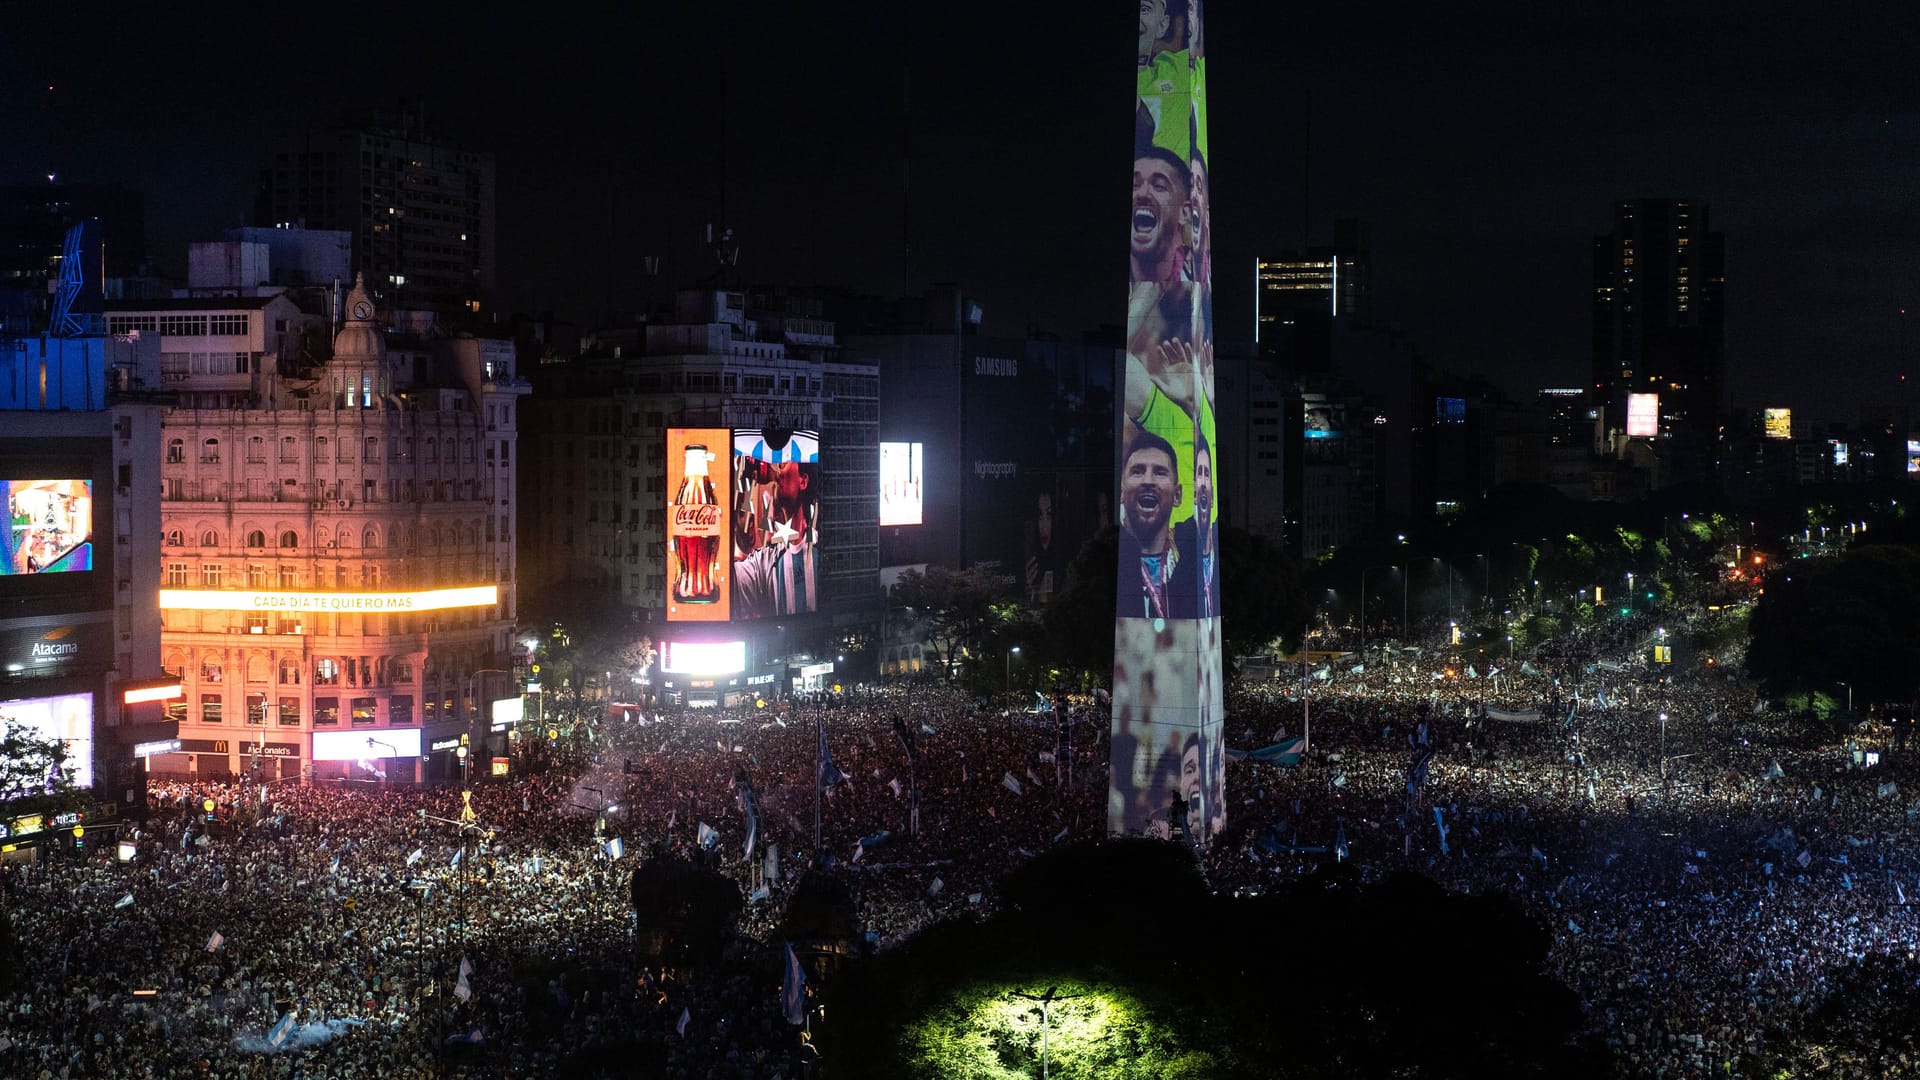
<point>420,208</point>
<point>34,220</point>
<point>1659,279</point>
<point>1300,295</point>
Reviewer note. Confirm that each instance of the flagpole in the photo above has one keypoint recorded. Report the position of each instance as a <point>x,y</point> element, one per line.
<point>819,773</point>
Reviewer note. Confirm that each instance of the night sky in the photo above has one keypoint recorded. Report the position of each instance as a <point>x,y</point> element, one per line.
<point>1483,145</point>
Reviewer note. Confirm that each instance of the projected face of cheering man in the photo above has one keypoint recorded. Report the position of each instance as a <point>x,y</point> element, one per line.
<point>1160,210</point>
<point>1149,488</point>
<point>1203,491</point>
<point>1190,788</point>
<point>1153,25</point>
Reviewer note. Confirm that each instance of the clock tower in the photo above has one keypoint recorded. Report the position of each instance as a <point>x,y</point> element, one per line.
<point>358,375</point>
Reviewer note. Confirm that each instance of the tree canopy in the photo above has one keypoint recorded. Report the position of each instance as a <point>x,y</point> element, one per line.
<point>1846,619</point>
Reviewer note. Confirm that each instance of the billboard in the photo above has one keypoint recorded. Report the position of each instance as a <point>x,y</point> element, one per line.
<point>900,483</point>
<point>1449,410</point>
<point>1643,415</point>
<point>1168,764</point>
<point>1840,456</point>
<point>49,527</point>
<point>366,746</point>
<point>67,717</point>
<point>1913,454</point>
<point>1323,430</point>
<point>698,571</point>
<point>1777,423</point>
<point>776,522</point>
<point>703,657</point>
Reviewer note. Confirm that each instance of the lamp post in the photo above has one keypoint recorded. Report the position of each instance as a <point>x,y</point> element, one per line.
<point>1010,655</point>
<point>373,742</point>
<point>1849,687</point>
<point>461,752</point>
<point>1046,1001</point>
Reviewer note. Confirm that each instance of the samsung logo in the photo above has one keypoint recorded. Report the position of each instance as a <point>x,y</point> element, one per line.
<point>996,365</point>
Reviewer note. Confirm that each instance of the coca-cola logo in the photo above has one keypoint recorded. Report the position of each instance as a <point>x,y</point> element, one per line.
<point>698,516</point>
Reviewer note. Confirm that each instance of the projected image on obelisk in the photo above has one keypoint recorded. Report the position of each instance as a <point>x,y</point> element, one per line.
<point>1169,763</point>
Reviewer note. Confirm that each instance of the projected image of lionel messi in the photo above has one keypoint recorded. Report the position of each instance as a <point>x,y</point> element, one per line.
<point>1149,488</point>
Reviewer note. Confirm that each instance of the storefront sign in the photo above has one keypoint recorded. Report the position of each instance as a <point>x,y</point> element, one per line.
<point>158,746</point>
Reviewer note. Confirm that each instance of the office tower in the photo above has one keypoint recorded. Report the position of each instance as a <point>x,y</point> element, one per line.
<point>1658,321</point>
<point>1300,295</point>
<point>420,208</point>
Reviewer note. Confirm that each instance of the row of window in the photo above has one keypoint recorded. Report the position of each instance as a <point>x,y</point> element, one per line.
<point>400,449</point>
<point>181,325</point>
<point>437,538</point>
<point>363,711</point>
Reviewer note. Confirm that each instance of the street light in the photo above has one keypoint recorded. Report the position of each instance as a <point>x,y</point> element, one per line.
<point>1046,1001</point>
<point>373,742</point>
<point>1010,653</point>
<point>1849,687</point>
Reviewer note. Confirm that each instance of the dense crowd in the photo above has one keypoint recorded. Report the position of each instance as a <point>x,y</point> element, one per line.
<point>1708,881</point>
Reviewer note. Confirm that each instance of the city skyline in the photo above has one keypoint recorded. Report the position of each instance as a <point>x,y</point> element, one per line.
<point>1483,153</point>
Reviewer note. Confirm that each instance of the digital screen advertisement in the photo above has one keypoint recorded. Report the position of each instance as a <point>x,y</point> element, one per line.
<point>703,657</point>
<point>1643,415</point>
<point>900,483</point>
<point>1449,410</point>
<point>1913,455</point>
<point>698,571</point>
<point>1168,765</point>
<point>1777,423</point>
<point>69,718</point>
<point>776,522</point>
<point>353,745</point>
<point>49,527</point>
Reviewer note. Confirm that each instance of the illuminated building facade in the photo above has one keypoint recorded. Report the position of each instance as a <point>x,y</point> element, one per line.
<point>337,570</point>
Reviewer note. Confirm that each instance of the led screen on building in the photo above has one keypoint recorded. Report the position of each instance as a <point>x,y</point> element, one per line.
<point>1643,415</point>
<point>703,657</point>
<point>49,527</point>
<point>1839,451</point>
<point>1168,764</point>
<point>1913,455</point>
<point>365,745</point>
<point>698,570</point>
<point>1777,423</point>
<point>1449,410</point>
<point>776,522</point>
<point>900,483</point>
<point>69,718</point>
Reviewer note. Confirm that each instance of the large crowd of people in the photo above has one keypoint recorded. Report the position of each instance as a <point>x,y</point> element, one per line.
<point>1709,880</point>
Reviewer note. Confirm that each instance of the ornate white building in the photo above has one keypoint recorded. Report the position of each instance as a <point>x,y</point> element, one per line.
<point>337,579</point>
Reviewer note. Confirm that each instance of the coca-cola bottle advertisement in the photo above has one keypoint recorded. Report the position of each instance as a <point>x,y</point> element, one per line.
<point>697,559</point>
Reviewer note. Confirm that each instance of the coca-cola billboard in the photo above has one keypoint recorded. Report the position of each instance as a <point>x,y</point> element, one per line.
<point>699,567</point>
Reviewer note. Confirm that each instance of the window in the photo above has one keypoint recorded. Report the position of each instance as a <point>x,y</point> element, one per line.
<point>176,452</point>
<point>289,577</point>
<point>184,325</point>
<point>290,450</point>
<point>256,576</point>
<point>209,708</point>
<point>227,324</point>
<point>256,710</point>
<point>320,449</point>
<point>400,709</point>
<point>326,711</point>
<point>210,539</point>
<point>210,575</point>
<point>176,575</point>
<point>174,538</point>
<point>256,539</point>
<point>256,450</point>
<point>127,324</point>
<point>429,446</point>
<point>210,452</point>
<point>371,539</point>
<point>289,539</point>
<point>289,672</point>
<point>469,450</point>
<point>363,712</point>
<point>373,451</point>
<point>289,712</point>
<point>326,672</point>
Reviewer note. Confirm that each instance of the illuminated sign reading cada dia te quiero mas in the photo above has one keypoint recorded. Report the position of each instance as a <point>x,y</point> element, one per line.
<point>379,603</point>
